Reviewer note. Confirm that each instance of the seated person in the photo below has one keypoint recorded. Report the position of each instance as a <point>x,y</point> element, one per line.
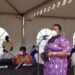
<point>23,57</point>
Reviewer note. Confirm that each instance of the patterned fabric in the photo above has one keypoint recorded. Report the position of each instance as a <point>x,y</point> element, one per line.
<point>57,65</point>
<point>19,58</point>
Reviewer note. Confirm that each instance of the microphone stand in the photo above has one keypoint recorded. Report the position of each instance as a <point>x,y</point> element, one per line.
<point>38,45</point>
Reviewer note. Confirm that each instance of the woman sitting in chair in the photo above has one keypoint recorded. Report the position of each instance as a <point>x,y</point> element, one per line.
<point>23,57</point>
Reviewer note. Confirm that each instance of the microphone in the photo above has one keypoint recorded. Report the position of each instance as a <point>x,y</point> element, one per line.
<point>52,34</point>
<point>45,37</point>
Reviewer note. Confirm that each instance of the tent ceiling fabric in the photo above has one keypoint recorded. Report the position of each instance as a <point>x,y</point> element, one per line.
<point>67,11</point>
<point>5,7</point>
<point>24,5</point>
<point>19,6</point>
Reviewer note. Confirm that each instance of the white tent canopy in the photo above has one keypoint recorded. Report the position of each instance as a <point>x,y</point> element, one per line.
<point>58,9</point>
<point>23,7</point>
<point>20,6</point>
<point>11,19</point>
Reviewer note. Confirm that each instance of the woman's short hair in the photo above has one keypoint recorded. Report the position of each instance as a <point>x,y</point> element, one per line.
<point>59,26</point>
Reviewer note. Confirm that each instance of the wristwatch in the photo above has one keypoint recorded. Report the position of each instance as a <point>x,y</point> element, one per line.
<point>54,53</point>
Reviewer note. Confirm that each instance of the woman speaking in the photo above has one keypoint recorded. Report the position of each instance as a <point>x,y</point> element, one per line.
<point>55,53</point>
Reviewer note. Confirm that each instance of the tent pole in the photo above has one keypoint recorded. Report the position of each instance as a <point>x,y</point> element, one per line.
<point>23,31</point>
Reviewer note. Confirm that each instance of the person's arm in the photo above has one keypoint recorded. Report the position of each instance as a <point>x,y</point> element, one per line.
<point>3,44</point>
<point>11,46</point>
<point>59,54</point>
<point>65,46</point>
<point>36,57</point>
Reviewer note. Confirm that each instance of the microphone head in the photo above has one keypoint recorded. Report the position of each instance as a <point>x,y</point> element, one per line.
<point>45,37</point>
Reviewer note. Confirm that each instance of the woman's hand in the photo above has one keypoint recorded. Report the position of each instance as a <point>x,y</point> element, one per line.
<point>44,56</point>
<point>50,54</point>
<point>59,54</point>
